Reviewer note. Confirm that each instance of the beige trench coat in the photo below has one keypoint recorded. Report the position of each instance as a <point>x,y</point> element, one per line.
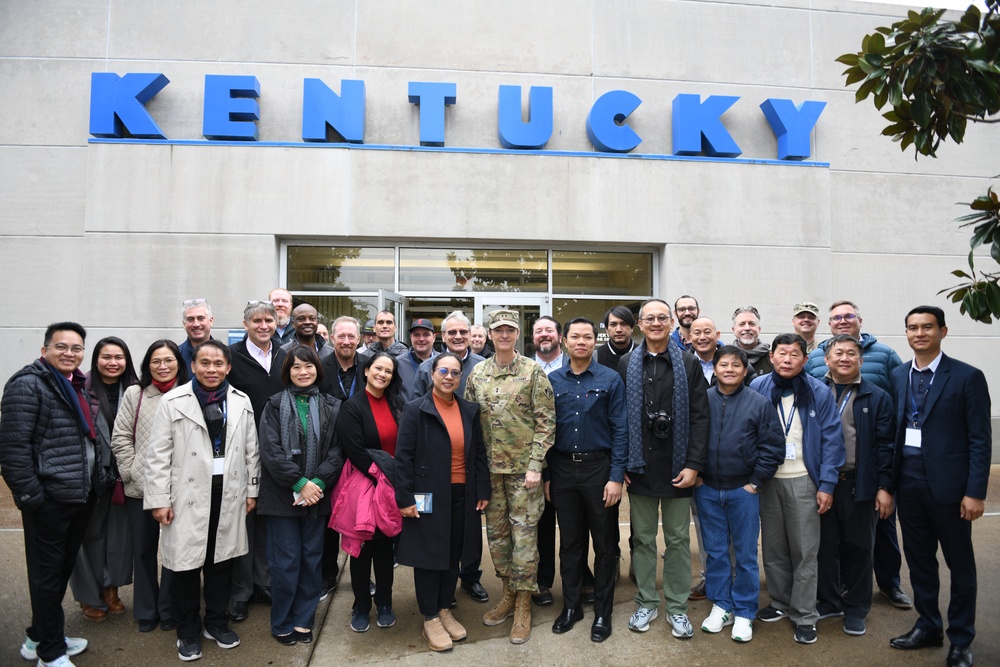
<point>179,475</point>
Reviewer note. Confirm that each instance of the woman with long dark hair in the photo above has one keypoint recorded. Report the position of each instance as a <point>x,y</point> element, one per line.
<point>105,559</point>
<point>441,460</point>
<point>300,459</point>
<point>162,369</point>
<point>367,424</point>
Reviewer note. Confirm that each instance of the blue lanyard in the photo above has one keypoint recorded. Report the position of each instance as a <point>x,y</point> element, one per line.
<point>843,404</point>
<point>354,382</point>
<point>788,424</point>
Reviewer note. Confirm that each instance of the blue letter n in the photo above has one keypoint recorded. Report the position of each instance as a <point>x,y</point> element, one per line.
<point>343,115</point>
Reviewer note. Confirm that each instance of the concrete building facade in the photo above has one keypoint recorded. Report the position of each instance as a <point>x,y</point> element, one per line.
<point>117,233</point>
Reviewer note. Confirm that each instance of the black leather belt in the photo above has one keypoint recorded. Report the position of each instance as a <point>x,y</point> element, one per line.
<point>844,476</point>
<point>579,457</point>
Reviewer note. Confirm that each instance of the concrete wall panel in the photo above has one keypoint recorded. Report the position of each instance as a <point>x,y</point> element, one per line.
<point>872,213</point>
<point>141,279</point>
<point>45,102</point>
<point>694,41</point>
<point>516,36</point>
<point>310,31</point>
<point>43,190</point>
<point>49,275</point>
<point>217,189</point>
<point>695,269</point>
<point>53,29</point>
<point>850,138</point>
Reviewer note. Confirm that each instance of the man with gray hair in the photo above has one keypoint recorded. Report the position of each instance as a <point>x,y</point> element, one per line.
<point>479,341</point>
<point>455,331</point>
<point>196,316</point>
<point>256,371</point>
<point>746,329</point>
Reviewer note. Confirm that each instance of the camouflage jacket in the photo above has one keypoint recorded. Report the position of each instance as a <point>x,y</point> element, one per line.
<point>518,413</point>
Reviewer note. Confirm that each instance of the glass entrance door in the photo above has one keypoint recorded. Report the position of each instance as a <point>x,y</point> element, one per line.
<point>528,308</point>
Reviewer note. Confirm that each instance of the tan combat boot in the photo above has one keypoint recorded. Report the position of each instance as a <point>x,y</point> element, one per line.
<point>504,608</point>
<point>451,626</point>
<point>436,636</point>
<point>521,630</point>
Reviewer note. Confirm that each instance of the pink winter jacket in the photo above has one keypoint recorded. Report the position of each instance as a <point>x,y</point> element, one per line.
<point>360,506</point>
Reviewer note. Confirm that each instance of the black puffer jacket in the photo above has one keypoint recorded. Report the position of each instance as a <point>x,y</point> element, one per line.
<point>43,447</point>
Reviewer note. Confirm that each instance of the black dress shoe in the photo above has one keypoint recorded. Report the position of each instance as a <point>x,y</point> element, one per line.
<point>960,656</point>
<point>916,638</point>
<point>303,637</point>
<point>566,620</point>
<point>542,597</point>
<point>238,611</point>
<point>261,594</point>
<point>601,629</point>
<point>168,624</point>
<point>476,591</point>
<point>148,626</point>
<point>285,640</point>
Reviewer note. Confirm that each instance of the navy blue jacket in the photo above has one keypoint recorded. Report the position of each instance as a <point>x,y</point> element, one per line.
<point>875,426</point>
<point>745,440</point>
<point>823,438</point>
<point>956,433</point>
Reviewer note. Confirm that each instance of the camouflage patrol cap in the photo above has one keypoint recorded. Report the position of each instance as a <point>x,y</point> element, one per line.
<point>504,317</point>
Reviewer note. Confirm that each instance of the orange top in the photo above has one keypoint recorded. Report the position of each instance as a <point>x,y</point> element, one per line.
<point>452,418</point>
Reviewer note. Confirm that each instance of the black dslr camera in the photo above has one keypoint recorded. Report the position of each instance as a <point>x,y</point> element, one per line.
<point>659,423</point>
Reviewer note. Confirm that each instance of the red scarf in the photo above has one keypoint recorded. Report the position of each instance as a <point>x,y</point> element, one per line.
<point>164,387</point>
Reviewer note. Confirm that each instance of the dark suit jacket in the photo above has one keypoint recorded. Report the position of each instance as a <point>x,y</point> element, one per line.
<point>956,434</point>
<point>250,377</point>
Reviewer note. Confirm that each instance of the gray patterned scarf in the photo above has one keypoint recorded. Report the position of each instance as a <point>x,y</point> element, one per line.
<point>635,404</point>
<point>291,427</point>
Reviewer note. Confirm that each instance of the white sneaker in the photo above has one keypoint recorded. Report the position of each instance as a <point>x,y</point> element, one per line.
<point>681,626</point>
<point>742,629</point>
<point>61,661</point>
<point>74,646</point>
<point>718,619</point>
<point>641,619</point>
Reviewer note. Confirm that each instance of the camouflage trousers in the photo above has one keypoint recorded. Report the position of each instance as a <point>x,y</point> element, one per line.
<point>512,529</point>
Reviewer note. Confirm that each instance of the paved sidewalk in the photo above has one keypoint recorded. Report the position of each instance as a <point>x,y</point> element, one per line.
<point>118,642</point>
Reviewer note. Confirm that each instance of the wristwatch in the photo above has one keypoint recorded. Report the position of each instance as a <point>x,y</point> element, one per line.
<point>754,487</point>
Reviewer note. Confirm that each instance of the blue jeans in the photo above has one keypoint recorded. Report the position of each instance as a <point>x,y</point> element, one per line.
<point>732,514</point>
<point>295,553</point>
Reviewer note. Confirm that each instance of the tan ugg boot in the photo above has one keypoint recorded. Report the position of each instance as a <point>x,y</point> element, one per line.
<point>451,626</point>
<point>436,636</point>
<point>521,630</point>
<point>504,608</point>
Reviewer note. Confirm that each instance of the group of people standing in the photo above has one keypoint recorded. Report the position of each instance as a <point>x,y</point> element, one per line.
<point>402,448</point>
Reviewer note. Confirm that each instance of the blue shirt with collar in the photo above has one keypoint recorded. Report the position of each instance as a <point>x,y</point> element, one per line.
<point>590,413</point>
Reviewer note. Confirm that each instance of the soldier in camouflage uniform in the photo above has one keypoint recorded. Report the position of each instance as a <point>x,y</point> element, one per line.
<point>518,416</point>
